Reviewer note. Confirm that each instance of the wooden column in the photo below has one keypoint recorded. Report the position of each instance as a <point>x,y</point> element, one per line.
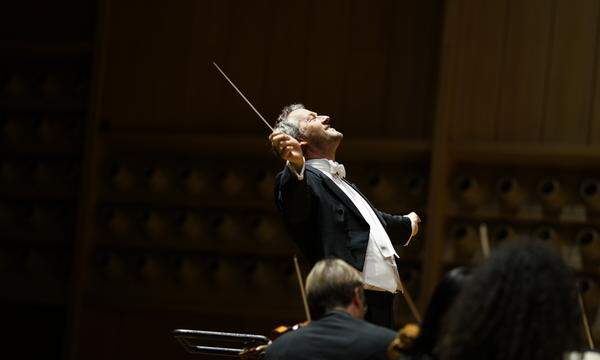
<point>90,184</point>
<point>440,158</point>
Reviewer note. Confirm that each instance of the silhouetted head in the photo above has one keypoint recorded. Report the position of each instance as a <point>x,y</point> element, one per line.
<point>444,295</point>
<point>520,304</point>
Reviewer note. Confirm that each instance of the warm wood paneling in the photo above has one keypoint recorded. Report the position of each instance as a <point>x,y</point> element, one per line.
<point>594,134</point>
<point>129,99</point>
<point>483,55</point>
<point>327,48</point>
<point>365,69</point>
<point>246,50</point>
<point>524,70</point>
<point>527,71</point>
<point>410,78</point>
<point>569,84</point>
<point>335,56</point>
<point>286,78</point>
<point>171,53</point>
<point>203,90</point>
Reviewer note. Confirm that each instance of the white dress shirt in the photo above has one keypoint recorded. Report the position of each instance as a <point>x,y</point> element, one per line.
<point>379,271</point>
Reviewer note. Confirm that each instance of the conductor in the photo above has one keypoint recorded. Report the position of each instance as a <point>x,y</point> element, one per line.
<point>327,216</point>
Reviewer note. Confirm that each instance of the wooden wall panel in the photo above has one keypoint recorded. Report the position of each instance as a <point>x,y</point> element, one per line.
<point>128,99</point>
<point>594,134</point>
<point>572,64</point>
<point>527,72</point>
<point>448,90</point>
<point>327,59</point>
<point>363,110</point>
<point>172,45</point>
<point>286,62</point>
<point>159,75</point>
<point>210,31</point>
<point>245,64</point>
<point>411,69</point>
<point>483,56</point>
<point>524,70</point>
<point>365,71</point>
<point>452,69</point>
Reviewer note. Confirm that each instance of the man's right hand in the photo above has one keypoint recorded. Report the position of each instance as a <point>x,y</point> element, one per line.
<point>288,148</point>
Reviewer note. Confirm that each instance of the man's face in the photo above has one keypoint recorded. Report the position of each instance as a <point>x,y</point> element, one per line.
<point>316,129</point>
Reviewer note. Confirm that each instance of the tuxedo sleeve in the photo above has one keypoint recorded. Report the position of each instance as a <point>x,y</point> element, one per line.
<point>295,201</point>
<point>293,197</point>
<point>398,227</point>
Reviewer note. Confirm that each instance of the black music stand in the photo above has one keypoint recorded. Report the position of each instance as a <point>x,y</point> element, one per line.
<point>196,342</point>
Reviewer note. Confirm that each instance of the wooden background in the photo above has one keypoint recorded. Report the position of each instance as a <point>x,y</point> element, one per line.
<point>137,186</point>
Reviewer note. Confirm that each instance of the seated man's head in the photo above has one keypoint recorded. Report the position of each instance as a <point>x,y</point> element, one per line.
<point>314,132</point>
<point>334,285</point>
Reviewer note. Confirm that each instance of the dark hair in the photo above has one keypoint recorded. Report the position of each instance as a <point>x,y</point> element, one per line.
<point>446,291</point>
<point>521,304</point>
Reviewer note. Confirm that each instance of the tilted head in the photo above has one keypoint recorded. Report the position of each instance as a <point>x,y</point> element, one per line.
<point>314,131</point>
<point>332,284</point>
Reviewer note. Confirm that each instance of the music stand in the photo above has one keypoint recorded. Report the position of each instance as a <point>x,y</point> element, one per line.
<point>195,342</point>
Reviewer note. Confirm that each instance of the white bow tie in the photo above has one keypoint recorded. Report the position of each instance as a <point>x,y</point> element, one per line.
<point>337,169</point>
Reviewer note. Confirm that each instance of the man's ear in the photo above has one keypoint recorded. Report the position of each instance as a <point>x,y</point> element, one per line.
<point>357,299</point>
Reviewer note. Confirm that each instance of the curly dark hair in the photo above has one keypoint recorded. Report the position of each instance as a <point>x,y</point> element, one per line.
<point>520,304</point>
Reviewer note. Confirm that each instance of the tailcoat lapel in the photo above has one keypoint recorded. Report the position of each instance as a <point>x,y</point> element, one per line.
<point>335,190</point>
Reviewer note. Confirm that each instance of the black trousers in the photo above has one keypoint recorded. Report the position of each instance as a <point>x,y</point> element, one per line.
<point>380,308</point>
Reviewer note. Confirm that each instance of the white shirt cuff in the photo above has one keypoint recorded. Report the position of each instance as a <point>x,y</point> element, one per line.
<point>300,175</point>
<point>412,232</point>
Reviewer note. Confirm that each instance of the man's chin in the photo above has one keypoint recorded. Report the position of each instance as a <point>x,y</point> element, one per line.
<point>335,134</point>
